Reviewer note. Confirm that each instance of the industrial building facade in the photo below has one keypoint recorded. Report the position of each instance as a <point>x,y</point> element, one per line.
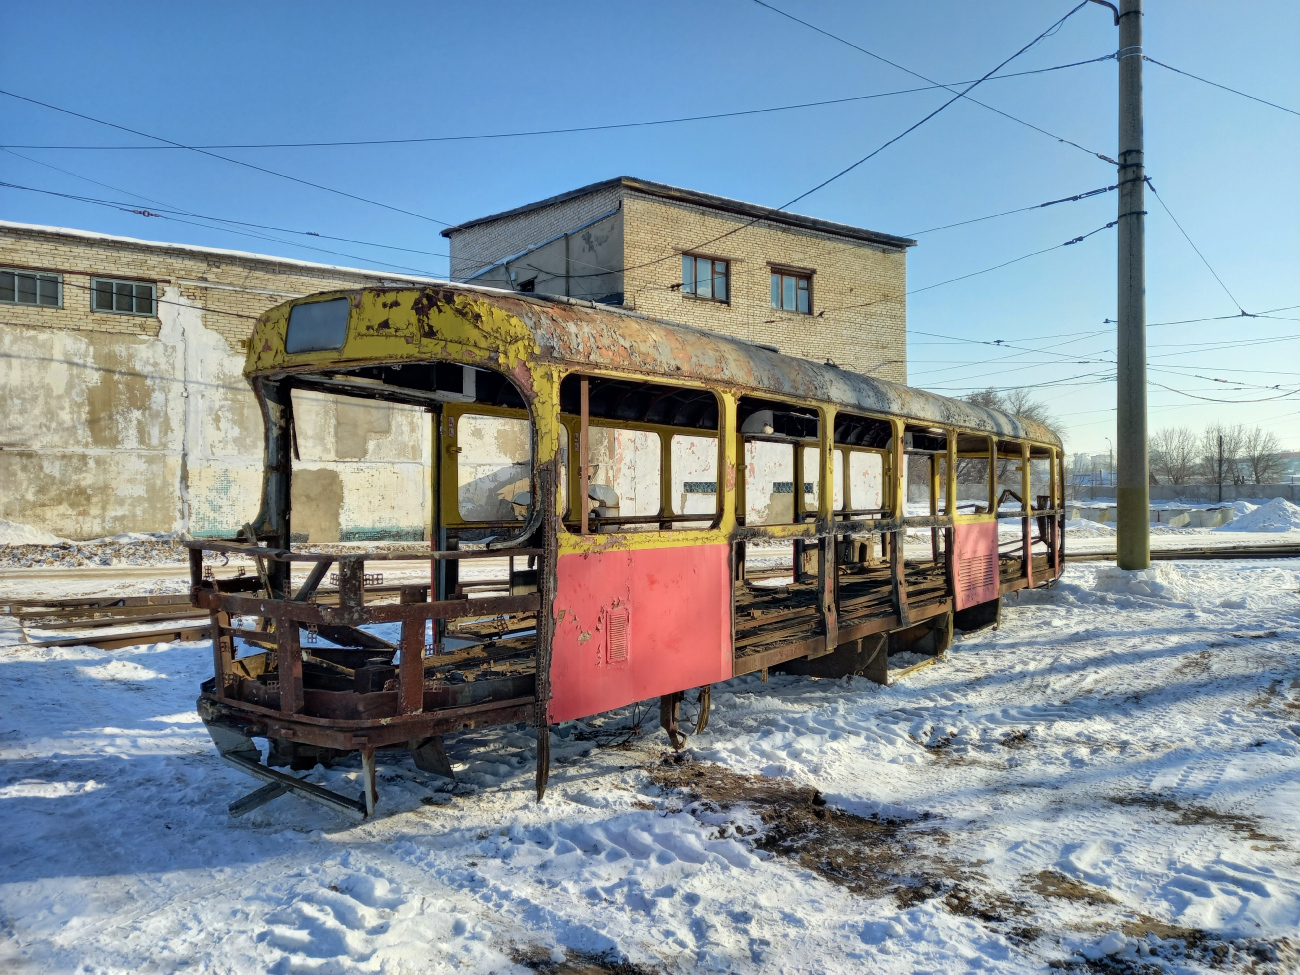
<point>126,409</point>
<point>121,360</point>
<point>808,287</point>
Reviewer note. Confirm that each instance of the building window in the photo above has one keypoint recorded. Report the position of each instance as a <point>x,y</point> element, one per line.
<point>122,297</point>
<point>704,277</point>
<point>30,288</point>
<point>792,291</point>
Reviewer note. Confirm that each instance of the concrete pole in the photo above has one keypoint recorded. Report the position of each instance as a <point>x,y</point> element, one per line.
<point>1133,492</point>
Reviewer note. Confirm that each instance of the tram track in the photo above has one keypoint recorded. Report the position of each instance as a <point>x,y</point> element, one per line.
<point>1210,553</point>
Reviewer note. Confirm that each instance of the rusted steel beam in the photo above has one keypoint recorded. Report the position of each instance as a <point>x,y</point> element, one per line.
<point>382,732</point>
<point>898,576</point>
<point>288,665</point>
<point>383,613</point>
<point>584,410</point>
<point>411,672</point>
<point>223,651</point>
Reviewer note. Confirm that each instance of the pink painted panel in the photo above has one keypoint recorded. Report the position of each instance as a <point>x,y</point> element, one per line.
<point>975,562</point>
<point>636,624</point>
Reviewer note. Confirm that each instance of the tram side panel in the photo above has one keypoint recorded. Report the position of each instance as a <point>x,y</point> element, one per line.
<point>637,623</point>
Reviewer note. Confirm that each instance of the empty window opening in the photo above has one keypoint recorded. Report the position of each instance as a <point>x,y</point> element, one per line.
<point>973,474</point>
<point>866,482</point>
<point>694,465</point>
<point>1010,468</point>
<point>350,451</point>
<point>493,466</point>
<point>623,479</point>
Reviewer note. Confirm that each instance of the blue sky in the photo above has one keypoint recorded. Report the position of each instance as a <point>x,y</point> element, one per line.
<point>249,73</point>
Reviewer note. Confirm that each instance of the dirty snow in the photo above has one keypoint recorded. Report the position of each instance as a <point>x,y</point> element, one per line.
<point>1108,783</point>
<point>16,533</point>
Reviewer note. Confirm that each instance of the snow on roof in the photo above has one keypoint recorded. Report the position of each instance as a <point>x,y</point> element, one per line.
<point>223,252</point>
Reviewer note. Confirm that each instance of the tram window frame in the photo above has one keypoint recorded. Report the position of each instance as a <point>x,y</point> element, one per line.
<point>859,434</point>
<point>1009,475</point>
<point>967,444</point>
<point>921,443</point>
<point>666,519</point>
<point>453,415</point>
<point>794,426</point>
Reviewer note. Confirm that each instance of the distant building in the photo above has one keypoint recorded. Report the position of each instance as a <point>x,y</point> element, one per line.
<point>811,288</point>
<point>125,406</point>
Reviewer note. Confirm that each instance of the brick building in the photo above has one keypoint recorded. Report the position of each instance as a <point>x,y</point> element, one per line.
<point>809,287</point>
<point>125,406</point>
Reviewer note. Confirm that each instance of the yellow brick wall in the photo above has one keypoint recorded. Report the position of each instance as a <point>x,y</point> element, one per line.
<point>869,339</point>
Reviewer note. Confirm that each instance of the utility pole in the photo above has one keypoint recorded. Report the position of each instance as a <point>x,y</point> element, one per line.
<point>1133,495</point>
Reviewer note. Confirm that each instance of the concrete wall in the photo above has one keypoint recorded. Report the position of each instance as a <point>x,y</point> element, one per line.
<point>1197,492</point>
<point>474,248</point>
<point>114,423</point>
<point>586,263</point>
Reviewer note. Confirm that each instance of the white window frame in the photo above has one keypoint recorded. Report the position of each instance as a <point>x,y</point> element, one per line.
<point>117,283</point>
<point>38,276</point>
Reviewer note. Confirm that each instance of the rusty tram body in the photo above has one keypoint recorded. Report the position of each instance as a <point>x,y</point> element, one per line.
<point>610,599</point>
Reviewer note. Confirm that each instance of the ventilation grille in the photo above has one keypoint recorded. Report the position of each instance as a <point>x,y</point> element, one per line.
<point>616,636</point>
<point>978,573</point>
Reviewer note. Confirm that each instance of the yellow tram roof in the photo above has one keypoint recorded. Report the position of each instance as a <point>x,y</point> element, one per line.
<point>404,324</point>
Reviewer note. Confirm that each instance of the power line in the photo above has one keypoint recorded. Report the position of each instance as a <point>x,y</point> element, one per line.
<point>1161,201</point>
<point>165,213</point>
<point>1170,67</point>
<point>577,129</point>
<point>917,74</point>
<point>1007,213</point>
<point>879,149</point>
<point>236,162</point>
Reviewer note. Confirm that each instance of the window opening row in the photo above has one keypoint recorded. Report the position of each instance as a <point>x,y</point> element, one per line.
<point>710,278</point>
<point>18,287</point>
<point>645,479</point>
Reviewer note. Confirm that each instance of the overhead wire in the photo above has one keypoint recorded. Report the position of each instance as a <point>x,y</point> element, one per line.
<point>879,149</point>
<point>165,212</point>
<point>917,74</point>
<point>1007,213</point>
<point>1189,240</point>
<point>236,162</point>
<point>577,129</point>
<point>1188,74</point>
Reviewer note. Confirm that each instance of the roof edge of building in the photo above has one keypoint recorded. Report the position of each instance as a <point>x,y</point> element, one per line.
<point>94,235</point>
<point>681,195</point>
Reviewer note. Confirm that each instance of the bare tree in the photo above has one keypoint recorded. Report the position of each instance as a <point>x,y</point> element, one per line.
<point>1174,454</point>
<point>1018,402</point>
<point>1220,449</point>
<point>1259,456</point>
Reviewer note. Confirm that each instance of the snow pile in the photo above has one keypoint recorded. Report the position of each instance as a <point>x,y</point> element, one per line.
<point>16,533</point>
<point>1161,581</point>
<point>1278,515</point>
<point>1086,528</point>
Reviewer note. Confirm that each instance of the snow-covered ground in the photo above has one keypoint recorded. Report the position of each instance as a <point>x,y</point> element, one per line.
<point>1109,782</point>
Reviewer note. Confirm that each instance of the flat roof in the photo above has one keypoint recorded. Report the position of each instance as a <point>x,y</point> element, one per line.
<point>91,235</point>
<point>726,204</point>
